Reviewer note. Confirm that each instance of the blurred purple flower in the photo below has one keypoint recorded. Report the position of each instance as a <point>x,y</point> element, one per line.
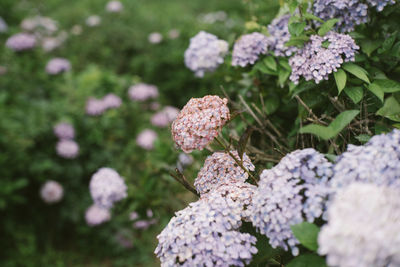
<point>146,139</point>
<point>57,66</point>
<point>21,42</point>
<point>67,149</point>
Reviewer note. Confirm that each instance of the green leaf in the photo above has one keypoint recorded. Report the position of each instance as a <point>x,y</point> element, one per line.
<point>271,104</point>
<point>307,260</point>
<point>327,26</point>
<point>283,76</point>
<point>312,17</point>
<point>296,28</point>
<point>369,46</point>
<point>270,62</point>
<point>340,78</point>
<point>333,129</point>
<point>297,40</point>
<point>307,234</point>
<point>264,69</point>
<point>376,90</point>
<point>388,43</point>
<point>284,64</point>
<point>355,93</point>
<point>388,86</point>
<point>356,71</point>
<point>390,109</point>
<point>363,138</point>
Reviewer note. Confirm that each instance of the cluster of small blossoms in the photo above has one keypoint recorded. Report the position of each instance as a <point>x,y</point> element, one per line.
<point>143,224</point>
<point>146,139</point>
<point>248,48</point>
<point>380,4</point>
<point>107,187</point>
<point>21,42</point>
<point>164,117</point>
<point>293,191</point>
<point>93,21</point>
<point>220,167</point>
<point>377,162</point>
<point>349,12</point>
<point>199,122</point>
<point>142,92</point>
<point>68,149</point>
<point>363,227</point>
<point>57,66</point>
<point>279,31</point>
<point>95,107</point>
<point>51,192</point>
<point>314,62</point>
<point>39,24</point>
<point>155,38</point>
<point>114,6</point>
<point>50,43</point>
<point>96,215</point>
<point>64,130</point>
<point>205,234</point>
<point>205,53</point>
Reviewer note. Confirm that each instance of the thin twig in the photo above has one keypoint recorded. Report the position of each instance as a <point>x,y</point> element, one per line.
<point>182,180</point>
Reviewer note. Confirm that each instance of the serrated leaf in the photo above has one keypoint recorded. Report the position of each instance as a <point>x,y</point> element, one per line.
<point>243,141</point>
<point>270,62</point>
<point>376,90</point>
<point>296,28</point>
<point>312,17</point>
<point>355,93</point>
<point>356,71</point>
<point>388,86</point>
<point>340,78</point>
<point>307,234</point>
<point>307,260</point>
<point>327,26</point>
<point>390,108</point>
<point>333,129</point>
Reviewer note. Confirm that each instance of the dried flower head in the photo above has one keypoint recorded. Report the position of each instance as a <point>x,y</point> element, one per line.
<point>205,53</point>
<point>52,192</point>
<point>314,62</point>
<point>142,92</point>
<point>293,191</point>
<point>199,122</point>
<point>363,227</point>
<point>219,168</point>
<point>68,149</point>
<point>21,42</point>
<point>96,215</point>
<point>64,130</point>
<point>146,139</point>
<point>248,48</point>
<point>58,65</point>
<point>107,187</point>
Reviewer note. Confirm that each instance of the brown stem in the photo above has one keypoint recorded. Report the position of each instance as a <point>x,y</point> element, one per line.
<point>183,181</point>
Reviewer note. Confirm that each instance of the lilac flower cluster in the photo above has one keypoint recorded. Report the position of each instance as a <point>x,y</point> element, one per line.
<point>93,21</point>
<point>363,227</point>
<point>155,38</point>
<point>114,6</point>
<point>349,12</point>
<point>380,4</point>
<point>164,117</point>
<point>143,224</point>
<point>205,53</point>
<point>289,193</point>
<point>142,92</point>
<point>219,168</point>
<point>199,122</point>
<point>95,107</point>
<point>64,130</point>
<point>205,234</point>
<point>377,162</point>
<point>146,139</point>
<point>57,66</point>
<point>314,62</point>
<point>248,48</point>
<point>68,149</point>
<point>96,215</point>
<point>39,24</point>
<point>107,187</point>
<point>21,42</point>
<point>51,192</point>
<point>279,35</point>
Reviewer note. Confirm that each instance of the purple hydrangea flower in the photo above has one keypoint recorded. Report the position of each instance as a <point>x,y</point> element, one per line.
<point>279,31</point>
<point>164,117</point>
<point>96,215</point>
<point>155,38</point>
<point>363,227</point>
<point>95,107</point>
<point>349,12</point>
<point>248,48</point>
<point>205,53</point>
<point>64,130</point>
<point>314,62</point>
<point>21,42</point>
<point>380,4</point>
<point>114,6</point>
<point>3,25</point>
<point>293,191</point>
<point>68,149</point>
<point>58,65</point>
<point>112,101</point>
<point>107,187</point>
<point>51,192</point>
<point>142,92</point>
<point>146,139</point>
<point>206,234</point>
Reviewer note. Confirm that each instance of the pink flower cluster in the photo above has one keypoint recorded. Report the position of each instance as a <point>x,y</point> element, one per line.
<point>146,139</point>
<point>96,107</point>
<point>21,42</point>
<point>199,122</point>
<point>142,92</point>
<point>57,66</point>
<point>96,215</point>
<point>66,146</point>
<point>164,117</point>
<point>64,130</point>
<point>51,192</point>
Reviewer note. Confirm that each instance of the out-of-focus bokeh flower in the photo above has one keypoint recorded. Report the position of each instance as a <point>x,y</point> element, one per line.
<point>142,92</point>
<point>155,38</point>
<point>68,149</point>
<point>146,139</point>
<point>52,192</point>
<point>64,130</point>
<point>96,215</point>
<point>57,66</point>
<point>114,7</point>
<point>93,20</point>
<point>21,42</point>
